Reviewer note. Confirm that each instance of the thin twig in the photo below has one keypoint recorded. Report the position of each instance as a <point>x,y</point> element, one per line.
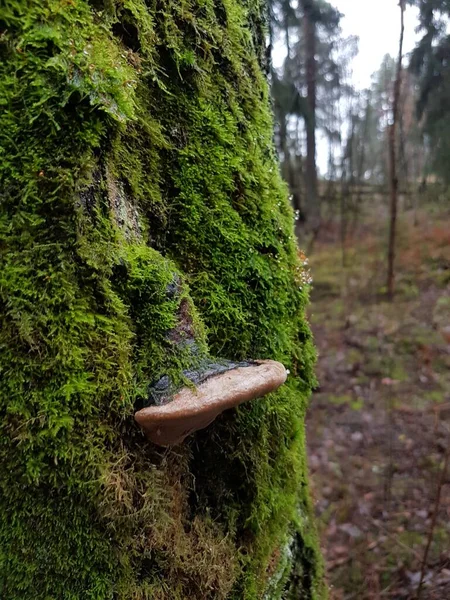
<point>395,539</point>
<point>434,520</point>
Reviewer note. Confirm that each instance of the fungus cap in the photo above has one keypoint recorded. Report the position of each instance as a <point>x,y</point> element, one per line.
<point>195,408</point>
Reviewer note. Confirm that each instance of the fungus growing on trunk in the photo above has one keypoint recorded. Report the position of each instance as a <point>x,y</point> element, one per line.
<point>195,408</point>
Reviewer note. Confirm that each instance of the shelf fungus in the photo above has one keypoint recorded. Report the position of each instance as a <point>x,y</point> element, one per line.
<point>194,408</point>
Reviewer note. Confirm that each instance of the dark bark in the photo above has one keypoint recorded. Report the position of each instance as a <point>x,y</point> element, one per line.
<point>393,162</point>
<point>312,197</point>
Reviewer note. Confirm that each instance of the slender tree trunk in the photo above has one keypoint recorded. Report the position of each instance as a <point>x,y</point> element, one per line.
<point>284,146</point>
<point>287,40</point>
<point>362,164</point>
<point>393,162</point>
<point>298,179</point>
<point>347,183</point>
<point>313,201</point>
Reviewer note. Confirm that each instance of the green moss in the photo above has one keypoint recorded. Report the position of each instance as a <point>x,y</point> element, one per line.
<point>135,151</point>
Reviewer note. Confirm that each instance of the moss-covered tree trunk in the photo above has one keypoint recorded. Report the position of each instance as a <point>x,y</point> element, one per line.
<point>141,209</point>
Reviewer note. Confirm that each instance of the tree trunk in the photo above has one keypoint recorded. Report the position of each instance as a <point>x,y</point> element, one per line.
<point>393,163</point>
<point>313,200</point>
<point>144,228</point>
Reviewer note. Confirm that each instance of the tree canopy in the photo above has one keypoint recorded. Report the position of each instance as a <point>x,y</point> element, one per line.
<point>430,63</point>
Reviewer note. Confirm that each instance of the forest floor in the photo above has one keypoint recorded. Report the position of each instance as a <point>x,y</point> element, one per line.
<point>379,424</point>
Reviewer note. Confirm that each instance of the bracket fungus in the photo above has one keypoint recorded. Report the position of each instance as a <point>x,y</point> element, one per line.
<point>192,409</point>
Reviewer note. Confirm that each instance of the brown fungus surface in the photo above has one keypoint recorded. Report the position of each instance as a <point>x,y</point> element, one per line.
<point>194,409</point>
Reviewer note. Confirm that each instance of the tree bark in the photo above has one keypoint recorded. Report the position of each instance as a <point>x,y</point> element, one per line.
<point>312,196</point>
<point>136,158</point>
<point>393,163</point>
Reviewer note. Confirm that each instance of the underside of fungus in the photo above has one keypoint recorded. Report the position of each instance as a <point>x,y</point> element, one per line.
<point>192,409</point>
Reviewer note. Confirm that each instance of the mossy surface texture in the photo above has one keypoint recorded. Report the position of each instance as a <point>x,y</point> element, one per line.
<point>139,185</point>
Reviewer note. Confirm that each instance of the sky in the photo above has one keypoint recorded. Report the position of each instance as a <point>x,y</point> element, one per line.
<point>377,24</point>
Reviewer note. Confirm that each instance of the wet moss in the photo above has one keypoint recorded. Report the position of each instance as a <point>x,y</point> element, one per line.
<point>135,151</point>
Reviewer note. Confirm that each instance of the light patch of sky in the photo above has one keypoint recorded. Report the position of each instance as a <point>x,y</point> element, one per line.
<point>377,24</point>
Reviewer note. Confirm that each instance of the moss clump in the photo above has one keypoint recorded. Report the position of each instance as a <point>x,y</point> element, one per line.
<point>139,184</point>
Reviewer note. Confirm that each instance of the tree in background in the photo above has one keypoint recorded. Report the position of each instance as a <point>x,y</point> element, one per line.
<point>430,63</point>
<point>371,112</point>
<point>303,88</point>
<point>393,160</point>
<point>310,20</point>
<point>143,225</point>
<point>316,98</point>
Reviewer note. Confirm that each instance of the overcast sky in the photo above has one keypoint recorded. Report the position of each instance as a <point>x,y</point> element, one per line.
<point>377,24</point>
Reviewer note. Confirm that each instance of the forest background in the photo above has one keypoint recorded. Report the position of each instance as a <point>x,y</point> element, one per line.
<point>368,172</point>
